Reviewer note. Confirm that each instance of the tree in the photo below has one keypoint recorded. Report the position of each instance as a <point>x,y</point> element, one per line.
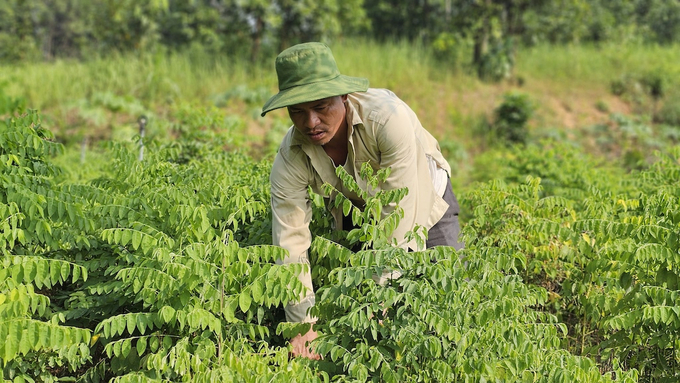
<point>412,20</point>
<point>663,19</point>
<point>127,24</point>
<point>308,20</point>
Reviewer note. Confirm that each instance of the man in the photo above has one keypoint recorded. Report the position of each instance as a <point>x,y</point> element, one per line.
<point>339,121</point>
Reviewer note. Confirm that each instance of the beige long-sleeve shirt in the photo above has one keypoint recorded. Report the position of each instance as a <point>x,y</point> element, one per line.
<point>383,131</point>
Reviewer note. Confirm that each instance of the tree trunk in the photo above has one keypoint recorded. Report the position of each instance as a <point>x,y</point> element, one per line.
<point>257,39</point>
<point>481,38</point>
<point>481,46</point>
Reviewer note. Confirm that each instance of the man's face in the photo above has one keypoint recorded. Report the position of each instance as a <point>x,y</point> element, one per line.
<point>319,120</point>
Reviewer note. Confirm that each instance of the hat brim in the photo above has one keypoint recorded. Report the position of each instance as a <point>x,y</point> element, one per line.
<point>316,91</point>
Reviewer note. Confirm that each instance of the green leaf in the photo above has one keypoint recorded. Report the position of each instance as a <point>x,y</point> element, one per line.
<point>346,207</point>
<point>141,345</point>
<point>136,239</point>
<point>257,291</point>
<point>154,343</point>
<point>625,280</point>
<point>65,271</point>
<point>131,323</point>
<point>126,236</point>
<point>126,347</point>
<point>167,342</point>
<point>244,300</point>
<point>167,314</point>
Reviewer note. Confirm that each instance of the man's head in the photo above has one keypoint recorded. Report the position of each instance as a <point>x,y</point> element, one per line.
<point>308,72</point>
<point>320,120</point>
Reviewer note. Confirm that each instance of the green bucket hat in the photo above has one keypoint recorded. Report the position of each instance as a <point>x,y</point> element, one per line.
<point>308,72</point>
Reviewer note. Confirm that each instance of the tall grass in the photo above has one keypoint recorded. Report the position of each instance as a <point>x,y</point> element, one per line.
<point>195,74</point>
<point>154,78</point>
<point>449,102</point>
<point>159,77</point>
<point>590,65</point>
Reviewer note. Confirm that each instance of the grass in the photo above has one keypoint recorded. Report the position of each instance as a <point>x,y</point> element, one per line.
<point>591,64</point>
<point>155,79</point>
<point>159,78</point>
<point>569,84</point>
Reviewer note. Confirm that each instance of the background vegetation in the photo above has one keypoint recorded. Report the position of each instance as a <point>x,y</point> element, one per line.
<point>123,261</point>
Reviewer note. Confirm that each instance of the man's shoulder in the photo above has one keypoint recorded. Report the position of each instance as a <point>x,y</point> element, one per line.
<point>376,104</point>
<point>290,143</point>
<point>375,97</point>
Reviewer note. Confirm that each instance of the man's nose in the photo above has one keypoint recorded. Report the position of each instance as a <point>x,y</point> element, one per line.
<point>312,119</point>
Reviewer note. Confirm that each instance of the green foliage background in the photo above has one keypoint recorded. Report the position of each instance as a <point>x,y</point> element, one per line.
<point>126,265</point>
<point>45,29</point>
<point>159,270</point>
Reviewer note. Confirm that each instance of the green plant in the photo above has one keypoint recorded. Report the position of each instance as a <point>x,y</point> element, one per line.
<point>497,64</point>
<point>643,90</point>
<point>160,269</point>
<point>443,316</point>
<point>602,242</point>
<point>149,271</point>
<point>449,49</point>
<point>33,223</point>
<point>10,105</point>
<point>511,118</point>
<point>669,113</point>
<point>602,106</point>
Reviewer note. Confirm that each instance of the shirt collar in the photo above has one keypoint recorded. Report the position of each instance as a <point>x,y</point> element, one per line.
<point>352,114</point>
<point>298,138</point>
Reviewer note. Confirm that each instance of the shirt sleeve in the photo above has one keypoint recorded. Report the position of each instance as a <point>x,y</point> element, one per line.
<point>291,214</point>
<point>398,144</point>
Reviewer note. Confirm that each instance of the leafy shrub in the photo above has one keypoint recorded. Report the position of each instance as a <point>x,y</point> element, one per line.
<point>448,316</point>
<point>15,48</point>
<point>10,105</point>
<point>654,83</point>
<point>255,96</point>
<point>603,243</point>
<point>206,127</point>
<point>643,90</point>
<point>160,270</point>
<point>511,117</point>
<point>147,272</point>
<point>449,48</point>
<point>497,64</point>
<point>663,18</point>
<point>669,113</point>
<point>628,85</point>
<point>602,106</point>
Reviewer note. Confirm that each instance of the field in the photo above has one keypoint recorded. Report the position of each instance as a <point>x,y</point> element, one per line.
<point>130,265</point>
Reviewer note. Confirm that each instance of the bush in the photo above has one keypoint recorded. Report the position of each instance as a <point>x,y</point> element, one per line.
<point>449,48</point>
<point>511,117</point>
<point>496,64</point>
<point>669,113</point>
<point>643,90</point>
<point>10,105</point>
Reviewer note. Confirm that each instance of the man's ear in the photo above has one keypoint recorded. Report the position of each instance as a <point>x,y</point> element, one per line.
<point>344,97</point>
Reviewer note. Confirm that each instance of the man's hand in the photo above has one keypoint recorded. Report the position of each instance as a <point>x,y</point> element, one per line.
<point>300,345</point>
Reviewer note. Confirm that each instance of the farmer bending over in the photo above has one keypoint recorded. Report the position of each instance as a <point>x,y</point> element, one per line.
<point>339,121</point>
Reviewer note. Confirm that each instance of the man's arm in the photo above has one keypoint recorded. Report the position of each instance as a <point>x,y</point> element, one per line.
<point>291,214</point>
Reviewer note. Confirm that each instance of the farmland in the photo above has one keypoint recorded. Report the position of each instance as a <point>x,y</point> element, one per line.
<point>159,267</point>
